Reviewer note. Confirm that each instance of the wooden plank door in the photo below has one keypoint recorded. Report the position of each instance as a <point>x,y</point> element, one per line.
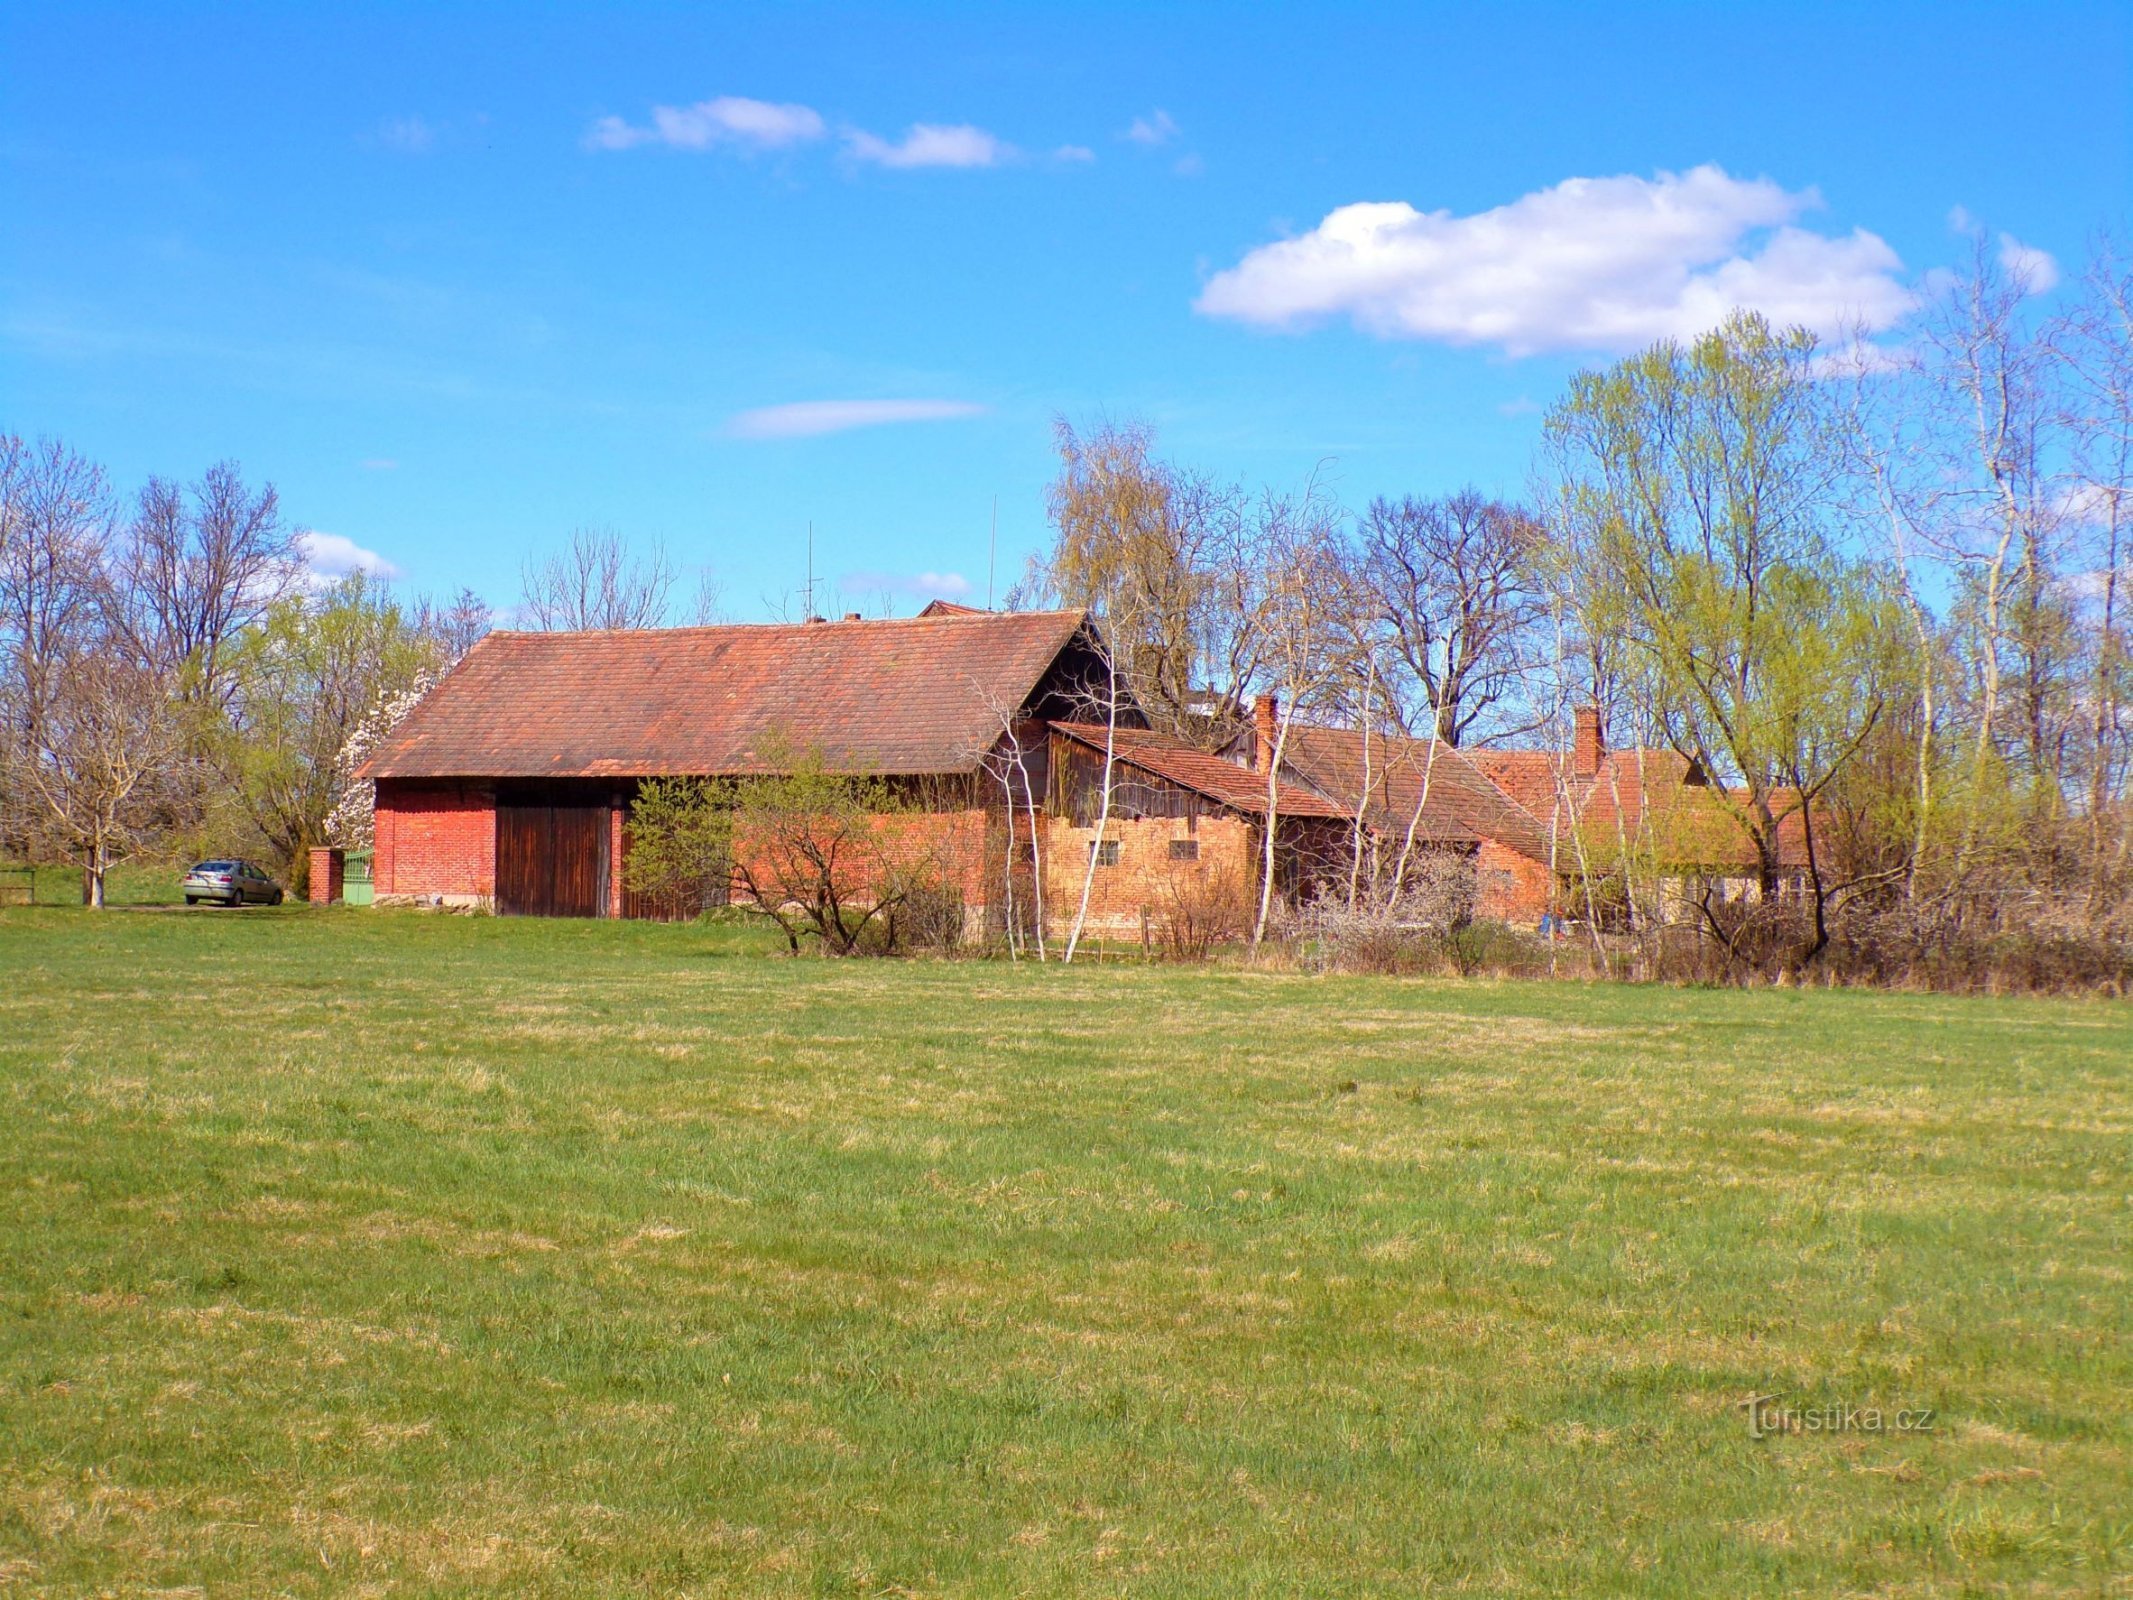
<point>551,861</point>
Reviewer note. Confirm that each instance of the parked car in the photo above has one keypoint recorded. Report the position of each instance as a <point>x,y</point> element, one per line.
<point>231,883</point>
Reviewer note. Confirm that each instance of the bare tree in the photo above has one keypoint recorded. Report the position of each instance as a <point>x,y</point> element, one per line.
<point>1451,583</point>
<point>1898,491</point>
<point>2094,344</point>
<point>1987,375</point>
<point>56,534</point>
<point>200,565</point>
<point>1006,760</point>
<point>1296,591</point>
<point>458,626</point>
<point>107,738</point>
<point>1148,546</point>
<point>597,583</point>
<point>709,606</point>
<point>59,534</point>
<point>1106,699</point>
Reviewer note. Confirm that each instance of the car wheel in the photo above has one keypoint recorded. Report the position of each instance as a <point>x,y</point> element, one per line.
<point>192,899</point>
<point>275,898</point>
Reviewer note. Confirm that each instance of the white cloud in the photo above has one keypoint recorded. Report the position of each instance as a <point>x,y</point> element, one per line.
<point>1607,264</point>
<point>727,120</point>
<point>378,464</point>
<point>2087,502</point>
<point>329,557</point>
<point>1153,129</point>
<point>1074,153</point>
<point>933,585</point>
<point>806,419</point>
<point>1851,358</point>
<point>2034,269</point>
<point>931,145</point>
<point>411,136</point>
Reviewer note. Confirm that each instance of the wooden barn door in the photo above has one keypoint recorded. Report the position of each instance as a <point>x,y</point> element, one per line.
<point>551,860</point>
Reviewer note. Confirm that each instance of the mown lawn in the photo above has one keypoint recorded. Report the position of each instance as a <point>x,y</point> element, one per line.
<point>352,1252</point>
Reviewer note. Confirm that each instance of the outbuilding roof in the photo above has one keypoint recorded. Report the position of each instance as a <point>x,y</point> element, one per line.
<point>891,697</point>
<point>1189,767</point>
<point>1654,797</point>
<point>1420,782</point>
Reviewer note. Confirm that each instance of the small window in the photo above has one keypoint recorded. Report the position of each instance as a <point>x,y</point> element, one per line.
<point>1184,849</point>
<point>1106,852</point>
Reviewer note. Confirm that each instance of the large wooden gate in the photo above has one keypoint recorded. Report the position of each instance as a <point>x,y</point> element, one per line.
<point>551,860</point>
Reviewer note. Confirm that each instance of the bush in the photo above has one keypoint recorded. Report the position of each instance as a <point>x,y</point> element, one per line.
<point>926,914</point>
<point>1203,909</point>
<point>1398,932</point>
<point>1495,948</point>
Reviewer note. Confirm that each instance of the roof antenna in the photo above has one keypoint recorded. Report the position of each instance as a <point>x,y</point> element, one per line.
<point>992,551</point>
<point>808,600</point>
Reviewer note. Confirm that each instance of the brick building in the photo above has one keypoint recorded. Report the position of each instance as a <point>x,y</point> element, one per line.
<point>509,786</point>
<point>1652,808</point>
<point>1413,795</point>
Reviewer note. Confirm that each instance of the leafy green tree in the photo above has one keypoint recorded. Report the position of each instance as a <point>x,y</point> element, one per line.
<point>307,672</point>
<point>1697,502</point>
<point>681,841</point>
<point>839,861</point>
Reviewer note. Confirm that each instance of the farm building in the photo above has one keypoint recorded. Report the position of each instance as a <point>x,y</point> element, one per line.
<point>509,786</point>
<point>1419,794</point>
<point>1596,805</point>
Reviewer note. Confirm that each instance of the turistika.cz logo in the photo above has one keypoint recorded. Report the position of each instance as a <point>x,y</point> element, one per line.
<point>1768,1414</point>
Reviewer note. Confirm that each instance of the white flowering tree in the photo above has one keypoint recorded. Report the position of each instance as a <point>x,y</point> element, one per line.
<point>352,823</point>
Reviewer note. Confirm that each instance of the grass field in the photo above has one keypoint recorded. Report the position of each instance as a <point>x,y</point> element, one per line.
<point>362,1253</point>
<point>127,884</point>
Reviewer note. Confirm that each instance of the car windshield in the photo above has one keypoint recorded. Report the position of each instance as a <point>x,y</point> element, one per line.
<point>216,866</point>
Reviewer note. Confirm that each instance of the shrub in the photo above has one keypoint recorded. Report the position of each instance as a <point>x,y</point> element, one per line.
<point>1202,909</point>
<point>1401,931</point>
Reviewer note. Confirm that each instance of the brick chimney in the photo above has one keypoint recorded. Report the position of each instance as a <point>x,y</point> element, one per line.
<point>1266,724</point>
<point>1589,745</point>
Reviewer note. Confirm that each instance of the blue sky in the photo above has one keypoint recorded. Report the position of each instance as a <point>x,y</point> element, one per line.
<point>460,278</point>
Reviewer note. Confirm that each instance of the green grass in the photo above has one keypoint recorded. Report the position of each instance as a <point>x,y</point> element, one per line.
<point>347,1252</point>
<point>127,884</point>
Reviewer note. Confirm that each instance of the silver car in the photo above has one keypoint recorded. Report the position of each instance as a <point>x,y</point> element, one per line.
<point>230,883</point>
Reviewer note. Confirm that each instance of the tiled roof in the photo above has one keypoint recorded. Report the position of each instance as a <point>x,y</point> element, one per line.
<point>1654,796</point>
<point>1239,788</point>
<point>916,695</point>
<point>1460,805</point>
<point>1527,776</point>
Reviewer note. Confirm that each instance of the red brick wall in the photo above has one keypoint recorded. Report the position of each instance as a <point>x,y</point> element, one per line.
<point>1145,874</point>
<point>954,844</point>
<point>1512,888</point>
<point>327,869</point>
<point>436,839</point>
